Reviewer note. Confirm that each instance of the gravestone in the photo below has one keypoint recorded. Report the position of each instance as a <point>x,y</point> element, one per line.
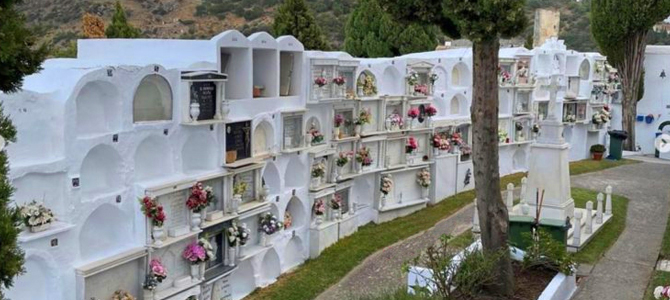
<point>238,139</point>
<point>204,93</point>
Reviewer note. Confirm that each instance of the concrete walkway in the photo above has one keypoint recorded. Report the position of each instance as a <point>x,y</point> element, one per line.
<point>625,270</point>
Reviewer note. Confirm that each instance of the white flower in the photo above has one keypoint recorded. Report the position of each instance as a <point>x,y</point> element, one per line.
<point>658,292</point>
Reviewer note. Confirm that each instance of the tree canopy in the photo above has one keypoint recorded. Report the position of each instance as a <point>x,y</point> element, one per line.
<point>294,18</point>
<point>120,28</point>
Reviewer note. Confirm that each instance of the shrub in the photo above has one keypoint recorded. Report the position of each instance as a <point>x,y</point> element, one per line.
<point>546,252</point>
<point>597,148</point>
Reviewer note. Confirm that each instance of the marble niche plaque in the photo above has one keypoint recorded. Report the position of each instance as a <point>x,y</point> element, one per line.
<point>177,213</point>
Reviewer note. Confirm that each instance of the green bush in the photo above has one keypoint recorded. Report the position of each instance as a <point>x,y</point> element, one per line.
<point>598,148</point>
<point>546,252</point>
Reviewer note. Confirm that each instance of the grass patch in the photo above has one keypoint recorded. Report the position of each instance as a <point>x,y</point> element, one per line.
<point>657,279</point>
<point>606,237</point>
<point>316,275</point>
<point>665,247</point>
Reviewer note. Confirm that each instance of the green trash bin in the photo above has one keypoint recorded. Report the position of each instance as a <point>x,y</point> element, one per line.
<point>616,143</point>
<point>520,225</point>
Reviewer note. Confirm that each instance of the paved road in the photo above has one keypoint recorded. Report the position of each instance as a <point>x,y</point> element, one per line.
<point>625,270</point>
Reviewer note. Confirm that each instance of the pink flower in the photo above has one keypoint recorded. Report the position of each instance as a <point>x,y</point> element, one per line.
<point>195,253</point>
<point>431,110</point>
<point>157,268</point>
<point>413,112</point>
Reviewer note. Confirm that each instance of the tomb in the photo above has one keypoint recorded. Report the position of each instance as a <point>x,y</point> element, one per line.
<point>290,66</point>
<point>152,100</point>
<point>202,99</point>
<point>294,136</point>
<point>235,57</point>
<point>264,60</point>
<point>98,109</point>
<point>420,80</point>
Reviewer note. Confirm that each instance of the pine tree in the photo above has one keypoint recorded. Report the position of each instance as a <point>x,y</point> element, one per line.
<point>371,32</point>
<point>120,28</point>
<point>294,18</point>
<point>484,22</point>
<point>19,56</point>
<point>620,28</point>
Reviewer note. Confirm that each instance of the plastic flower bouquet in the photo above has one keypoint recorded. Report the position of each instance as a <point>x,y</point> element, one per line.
<point>423,178</point>
<point>195,253</point>
<point>320,81</point>
<point>197,201</point>
<point>243,235</point>
<point>412,78</point>
<point>386,185</point>
<point>288,219</point>
<point>122,295</point>
<point>318,170</point>
<point>339,80</point>
<point>317,137</point>
<point>396,119</point>
<point>343,158</point>
<point>662,292</point>
<point>336,202</point>
<point>319,207</point>
<point>365,117</point>
<point>431,111</point>
<point>34,214</point>
<point>363,156</point>
<point>411,145</point>
<point>421,88</point>
<point>239,188</point>
<point>596,119</point>
<point>339,120</point>
<point>413,113</point>
<point>209,249</point>
<point>456,139</point>
<point>158,270</point>
<point>152,210</point>
<point>269,224</point>
<point>232,235</point>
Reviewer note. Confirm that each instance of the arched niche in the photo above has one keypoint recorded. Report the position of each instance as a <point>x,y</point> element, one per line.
<point>294,176</point>
<point>366,84</point>
<point>199,153</point>
<point>270,266</point>
<point>392,82</point>
<point>153,158</point>
<point>101,170</point>
<point>152,100</point>
<point>457,105</point>
<point>293,253</point>
<point>584,70</point>
<point>441,82</point>
<point>98,109</point>
<point>104,233</point>
<point>313,123</point>
<point>298,214</point>
<point>460,75</point>
<point>519,160</point>
<point>263,138</point>
<point>272,178</point>
<point>441,105</point>
<point>242,280</point>
<point>46,188</point>
<point>36,283</point>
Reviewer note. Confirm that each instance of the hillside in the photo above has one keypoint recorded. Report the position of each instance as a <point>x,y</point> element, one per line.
<point>59,20</point>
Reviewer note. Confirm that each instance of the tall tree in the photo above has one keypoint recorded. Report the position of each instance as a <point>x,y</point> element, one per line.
<point>294,18</point>
<point>93,26</point>
<point>19,56</point>
<point>484,22</point>
<point>371,32</point>
<point>120,28</point>
<point>620,28</point>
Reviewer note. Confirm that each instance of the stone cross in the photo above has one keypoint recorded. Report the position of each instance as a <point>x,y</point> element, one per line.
<point>608,200</point>
<point>599,210</point>
<point>475,219</point>
<point>589,218</point>
<point>577,229</point>
<point>510,196</point>
<point>524,183</point>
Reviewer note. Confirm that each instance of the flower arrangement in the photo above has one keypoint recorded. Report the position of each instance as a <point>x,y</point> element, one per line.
<point>269,224</point>
<point>318,170</point>
<point>421,88</point>
<point>239,188</point>
<point>233,235</point>
<point>386,185</point>
<point>433,78</point>
<point>502,135</point>
<point>570,118</point>
<point>456,139</point>
<point>243,235</point>
<point>396,119</point>
<point>339,120</point>
<point>34,214</point>
<point>198,200</point>
<point>195,253</point>
<point>152,210</point>
<point>319,207</point>
<point>413,113</point>
<point>596,119</point>
<point>365,117</point>
<point>336,201</point>
<point>441,143</point>
<point>209,249</point>
<point>423,178</point>
<point>662,292</point>
<point>411,145</point>
<point>122,295</point>
<point>431,111</point>
<point>288,219</point>
<point>505,76</point>
<point>412,78</point>
<point>466,149</point>
<point>363,156</point>
<point>320,81</point>
<point>343,158</point>
<point>367,84</point>
<point>317,137</point>
<point>339,80</point>
<point>518,126</point>
<point>158,271</point>
<point>536,128</point>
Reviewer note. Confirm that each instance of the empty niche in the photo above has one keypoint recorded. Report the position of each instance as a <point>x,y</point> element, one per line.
<point>45,188</point>
<point>584,70</point>
<point>101,170</point>
<point>293,253</point>
<point>199,153</point>
<point>98,109</point>
<point>265,73</point>
<point>296,210</point>
<point>460,75</point>
<point>270,266</point>
<point>290,72</point>
<point>263,138</point>
<point>271,178</point>
<point>457,105</point>
<point>242,280</point>
<point>35,283</point>
<point>295,173</point>
<point>441,82</point>
<point>105,222</point>
<point>519,160</point>
<point>393,82</point>
<point>153,158</point>
<point>152,100</point>
<point>237,60</point>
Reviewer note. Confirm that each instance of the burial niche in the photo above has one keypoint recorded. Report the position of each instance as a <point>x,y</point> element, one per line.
<point>100,170</point>
<point>153,100</point>
<point>98,109</point>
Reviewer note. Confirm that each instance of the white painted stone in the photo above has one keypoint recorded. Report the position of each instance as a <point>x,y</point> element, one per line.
<point>589,218</point>
<point>599,209</point>
<point>608,200</point>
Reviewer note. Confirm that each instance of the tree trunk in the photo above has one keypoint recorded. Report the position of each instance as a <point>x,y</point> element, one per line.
<point>484,112</point>
<point>630,70</point>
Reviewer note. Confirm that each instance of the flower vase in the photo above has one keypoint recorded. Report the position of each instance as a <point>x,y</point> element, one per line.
<point>388,124</point>
<point>429,122</point>
<point>359,90</point>
<point>158,234</point>
<point>424,193</point>
<point>147,294</point>
<point>195,272</point>
<point>264,239</point>
<point>237,199</point>
<point>334,175</point>
<point>203,217</point>
<point>336,214</point>
<point>360,167</point>
<point>316,182</point>
<point>454,149</point>
<point>336,133</point>
<point>308,139</point>
<point>383,201</point>
<point>357,130</point>
<point>329,213</point>
<point>408,159</point>
<point>225,110</point>
<point>231,256</point>
<point>410,123</point>
<point>202,271</point>
<point>195,221</point>
<point>436,152</point>
<point>266,192</point>
<point>343,91</point>
<point>194,111</point>
<point>319,220</point>
<point>40,228</point>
